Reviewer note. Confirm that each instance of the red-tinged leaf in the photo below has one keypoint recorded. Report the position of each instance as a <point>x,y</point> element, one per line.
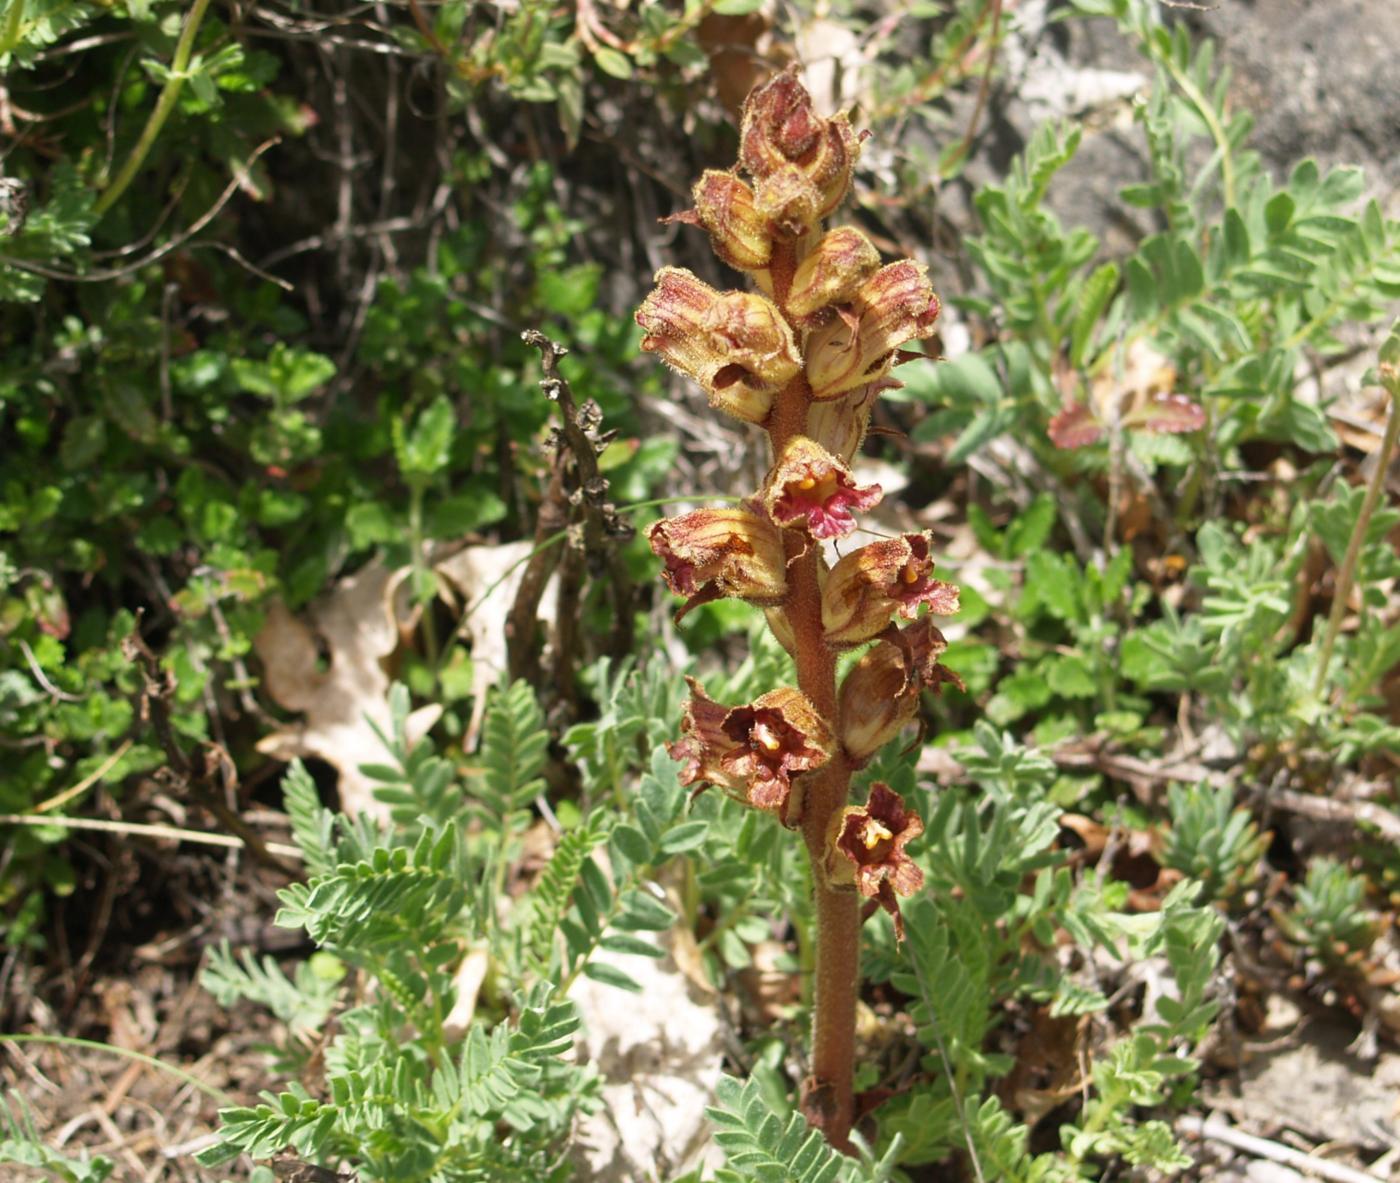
<point>1075,427</point>
<point>1172,413</point>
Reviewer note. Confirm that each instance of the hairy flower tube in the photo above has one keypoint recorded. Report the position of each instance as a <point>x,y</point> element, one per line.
<point>806,360</point>
<point>866,850</point>
<point>891,576</point>
<point>712,553</point>
<point>857,346</point>
<point>880,694</point>
<point>735,344</point>
<point>752,752</point>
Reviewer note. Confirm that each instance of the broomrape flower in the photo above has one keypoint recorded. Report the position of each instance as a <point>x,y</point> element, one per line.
<point>833,273</point>
<point>739,233</point>
<point>880,694</point>
<point>811,489</point>
<point>712,553</point>
<point>752,752</point>
<point>866,849</point>
<point>735,344</point>
<point>800,162</point>
<point>893,306</point>
<point>865,587</point>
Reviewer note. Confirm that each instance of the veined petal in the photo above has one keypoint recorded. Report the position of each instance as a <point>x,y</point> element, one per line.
<point>895,305</point>
<point>865,848</point>
<point>893,576</point>
<point>752,752</point>
<point>880,694</point>
<point>739,233</point>
<point>721,552</point>
<point>735,344</point>
<point>811,489</point>
<point>833,272</point>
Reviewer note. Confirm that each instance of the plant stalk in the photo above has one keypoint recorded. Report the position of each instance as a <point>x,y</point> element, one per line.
<point>1346,577</point>
<point>165,104</point>
<point>828,1096</point>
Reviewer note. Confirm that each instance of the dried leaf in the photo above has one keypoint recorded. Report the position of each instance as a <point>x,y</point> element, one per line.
<point>356,625</point>
<point>1075,427</point>
<point>1171,413</point>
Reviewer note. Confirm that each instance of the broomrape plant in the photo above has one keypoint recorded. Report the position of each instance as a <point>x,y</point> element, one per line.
<point>804,358</point>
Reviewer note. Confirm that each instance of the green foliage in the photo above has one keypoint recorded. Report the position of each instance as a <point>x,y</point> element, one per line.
<point>1329,917</point>
<point>1247,274</point>
<point>1211,841</point>
<point>761,1146</point>
<point>21,1146</point>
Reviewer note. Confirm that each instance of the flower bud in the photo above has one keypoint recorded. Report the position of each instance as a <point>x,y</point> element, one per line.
<point>740,235</point>
<point>780,132</point>
<point>893,306</point>
<point>865,587</point>
<point>834,271</point>
<point>810,489</point>
<point>865,849</point>
<point>752,752</point>
<point>711,553</point>
<point>735,344</point>
<point>839,424</point>
<point>781,628</point>
<point>880,694</point>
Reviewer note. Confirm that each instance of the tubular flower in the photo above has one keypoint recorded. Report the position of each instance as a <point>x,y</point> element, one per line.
<point>865,847</point>
<point>809,487</point>
<point>895,575</point>
<point>839,423</point>
<point>893,306</point>
<point>832,274</point>
<point>880,695</point>
<point>740,235</point>
<point>801,162</point>
<point>712,553</point>
<point>752,752</point>
<point>735,344</point>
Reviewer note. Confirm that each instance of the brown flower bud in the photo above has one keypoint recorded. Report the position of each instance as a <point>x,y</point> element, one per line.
<point>893,306</point>
<point>810,489</point>
<point>865,848</point>
<point>833,272</point>
<point>735,344</point>
<point>740,235</point>
<point>780,132</point>
<point>880,694</point>
<point>712,553</point>
<point>752,752</point>
<point>867,585</point>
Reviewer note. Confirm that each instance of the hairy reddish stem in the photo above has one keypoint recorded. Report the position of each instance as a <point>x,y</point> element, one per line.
<point>828,1097</point>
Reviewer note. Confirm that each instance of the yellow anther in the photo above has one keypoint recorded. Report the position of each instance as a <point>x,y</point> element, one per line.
<point>766,739</point>
<point>875,833</point>
<point>806,483</point>
<point>910,574</point>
